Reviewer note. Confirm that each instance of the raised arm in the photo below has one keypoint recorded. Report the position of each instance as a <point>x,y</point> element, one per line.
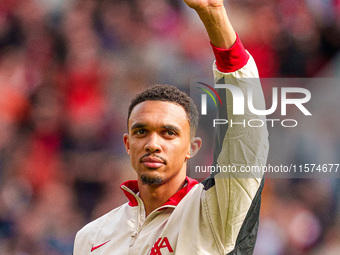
<point>215,19</point>
<point>233,198</point>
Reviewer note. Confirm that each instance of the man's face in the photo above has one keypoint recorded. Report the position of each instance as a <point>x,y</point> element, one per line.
<point>158,141</point>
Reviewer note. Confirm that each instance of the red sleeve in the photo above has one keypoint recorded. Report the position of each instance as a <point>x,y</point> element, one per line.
<point>232,59</point>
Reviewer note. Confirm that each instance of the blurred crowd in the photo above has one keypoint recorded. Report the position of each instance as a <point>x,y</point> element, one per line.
<point>68,70</point>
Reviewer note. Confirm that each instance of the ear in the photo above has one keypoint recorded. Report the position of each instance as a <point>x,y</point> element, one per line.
<point>126,143</point>
<point>195,146</point>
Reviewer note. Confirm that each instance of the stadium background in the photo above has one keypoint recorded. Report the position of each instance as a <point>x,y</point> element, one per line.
<point>68,70</point>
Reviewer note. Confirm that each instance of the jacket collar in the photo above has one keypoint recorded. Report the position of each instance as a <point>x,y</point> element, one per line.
<point>130,189</point>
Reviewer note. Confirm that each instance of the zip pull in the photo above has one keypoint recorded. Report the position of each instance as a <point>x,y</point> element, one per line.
<point>134,236</point>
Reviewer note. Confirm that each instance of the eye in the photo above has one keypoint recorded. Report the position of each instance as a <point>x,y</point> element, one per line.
<point>170,133</point>
<point>139,132</point>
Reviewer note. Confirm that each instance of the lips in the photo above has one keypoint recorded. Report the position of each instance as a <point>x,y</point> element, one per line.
<point>152,162</point>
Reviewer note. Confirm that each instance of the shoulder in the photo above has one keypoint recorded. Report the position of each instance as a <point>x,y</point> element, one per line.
<point>97,229</point>
<point>94,226</point>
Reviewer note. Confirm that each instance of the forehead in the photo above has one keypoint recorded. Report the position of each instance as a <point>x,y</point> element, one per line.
<point>158,113</point>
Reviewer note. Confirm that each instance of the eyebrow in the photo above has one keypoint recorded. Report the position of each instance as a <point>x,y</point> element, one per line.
<point>169,127</point>
<point>138,125</point>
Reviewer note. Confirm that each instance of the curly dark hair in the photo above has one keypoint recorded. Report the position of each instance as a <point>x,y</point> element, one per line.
<point>169,93</point>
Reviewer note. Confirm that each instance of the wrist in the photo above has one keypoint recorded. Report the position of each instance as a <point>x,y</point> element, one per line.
<point>218,26</point>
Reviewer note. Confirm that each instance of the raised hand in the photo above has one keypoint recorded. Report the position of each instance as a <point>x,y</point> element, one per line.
<point>202,4</point>
<point>215,19</point>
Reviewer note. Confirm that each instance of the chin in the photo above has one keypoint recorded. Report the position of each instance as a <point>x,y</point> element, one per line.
<point>151,180</point>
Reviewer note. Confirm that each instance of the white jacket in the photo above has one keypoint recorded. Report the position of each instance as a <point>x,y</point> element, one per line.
<point>219,215</point>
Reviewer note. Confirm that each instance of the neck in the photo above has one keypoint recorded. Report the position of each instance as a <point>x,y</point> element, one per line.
<point>154,196</point>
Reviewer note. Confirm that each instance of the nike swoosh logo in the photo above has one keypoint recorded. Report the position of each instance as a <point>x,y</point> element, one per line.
<point>98,246</point>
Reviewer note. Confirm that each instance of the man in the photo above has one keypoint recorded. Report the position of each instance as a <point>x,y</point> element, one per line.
<point>167,212</point>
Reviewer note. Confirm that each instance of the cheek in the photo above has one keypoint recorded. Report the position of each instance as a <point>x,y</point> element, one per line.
<point>133,152</point>
<point>181,149</point>
<point>134,145</point>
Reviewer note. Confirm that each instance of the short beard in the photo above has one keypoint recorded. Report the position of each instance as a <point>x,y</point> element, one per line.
<point>147,180</point>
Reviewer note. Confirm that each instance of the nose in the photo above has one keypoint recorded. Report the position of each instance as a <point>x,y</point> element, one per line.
<point>153,143</point>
